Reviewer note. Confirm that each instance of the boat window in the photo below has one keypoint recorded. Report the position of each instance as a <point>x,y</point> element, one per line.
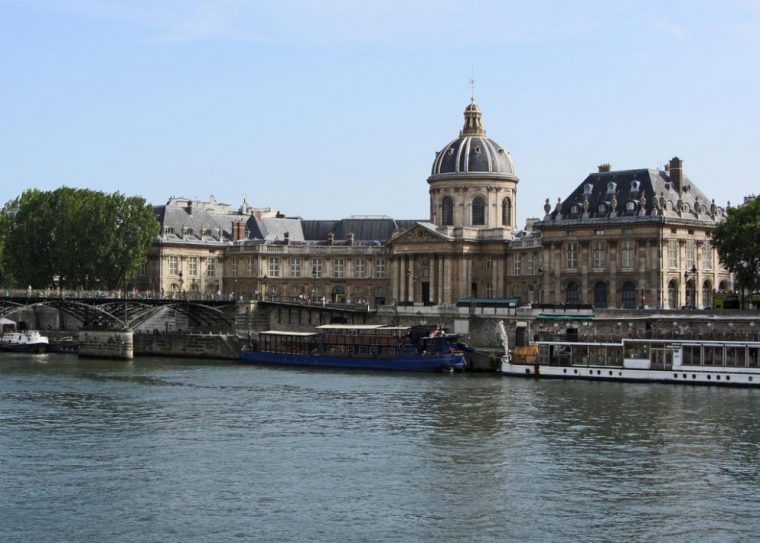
<point>692,355</point>
<point>615,356</point>
<point>579,354</point>
<point>637,350</point>
<point>735,356</point>
<point>754,354</point>
<point>713,356</point>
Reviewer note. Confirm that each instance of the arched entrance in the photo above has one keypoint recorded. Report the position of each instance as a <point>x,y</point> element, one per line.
<point>673,295</point>
<point>339,295</point>
<point>600,294</point>
<point>707,294</point>
<point>629,295</point>
<point>691,292</point>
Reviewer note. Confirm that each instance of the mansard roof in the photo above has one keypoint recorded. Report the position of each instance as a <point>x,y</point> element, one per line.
<point>633,196</point>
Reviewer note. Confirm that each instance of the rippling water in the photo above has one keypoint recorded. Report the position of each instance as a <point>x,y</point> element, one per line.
<point>172,450</point>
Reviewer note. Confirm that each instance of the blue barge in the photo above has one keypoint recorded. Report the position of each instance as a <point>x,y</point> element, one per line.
<point>374,347</point>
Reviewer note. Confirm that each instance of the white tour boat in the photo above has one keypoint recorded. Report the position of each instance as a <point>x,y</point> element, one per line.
<point>674,360</point>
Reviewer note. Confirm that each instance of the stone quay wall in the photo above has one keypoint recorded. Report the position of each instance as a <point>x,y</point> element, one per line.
<point>186,345</point>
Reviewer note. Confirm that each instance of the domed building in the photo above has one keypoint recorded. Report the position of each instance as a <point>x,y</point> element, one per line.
<point>463,251</point>
<point>473,181</point>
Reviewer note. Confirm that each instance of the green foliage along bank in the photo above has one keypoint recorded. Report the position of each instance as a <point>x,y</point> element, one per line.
<point>737,240</point>
<point>74,238</point>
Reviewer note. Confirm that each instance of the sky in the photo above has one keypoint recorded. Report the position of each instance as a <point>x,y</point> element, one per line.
<point>329,108</point>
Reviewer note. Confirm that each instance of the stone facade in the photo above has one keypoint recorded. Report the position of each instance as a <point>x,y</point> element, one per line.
<point>621,239</point>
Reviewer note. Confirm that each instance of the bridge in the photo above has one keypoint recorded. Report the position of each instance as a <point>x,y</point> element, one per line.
<point>128,312</point>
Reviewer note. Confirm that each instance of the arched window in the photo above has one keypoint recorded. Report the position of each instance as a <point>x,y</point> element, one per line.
<point>707,294</point>
<point>447,211</point>
<point>629,295</point>
<point>506,212</point>
<point>478,211</point>
<point>572,294</point>
<point>600,294</point>
<point>673,295</point>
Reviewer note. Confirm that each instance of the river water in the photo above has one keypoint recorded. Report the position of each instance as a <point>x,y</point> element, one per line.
<point>176,450</point>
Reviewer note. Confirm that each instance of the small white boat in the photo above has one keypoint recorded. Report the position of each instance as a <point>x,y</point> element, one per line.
<point>25,341</point>
<point>673,360</point>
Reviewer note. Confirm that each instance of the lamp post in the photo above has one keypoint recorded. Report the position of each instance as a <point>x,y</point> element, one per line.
<point>313,282</point>
<point>181,283</point>
<point>541,284</point>
<point>690,273</point>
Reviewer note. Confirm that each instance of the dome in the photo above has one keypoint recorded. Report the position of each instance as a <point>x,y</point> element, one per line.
<point>472,152</point>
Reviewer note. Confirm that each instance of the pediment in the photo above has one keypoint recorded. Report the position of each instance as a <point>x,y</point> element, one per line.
<point>419,233</point>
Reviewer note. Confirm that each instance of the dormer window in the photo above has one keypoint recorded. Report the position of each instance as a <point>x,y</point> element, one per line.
<point>588,188</point>
<point>168,230</point>
<point>602,208</point>
<point>630,206</point>
<point>574,209</point>
<point>611,186</point>
<point>635,186</point>
<point>451,150</point>
<point>477,149</point>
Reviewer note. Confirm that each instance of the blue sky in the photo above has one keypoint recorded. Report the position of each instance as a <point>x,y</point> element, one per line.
<point>332,108</point>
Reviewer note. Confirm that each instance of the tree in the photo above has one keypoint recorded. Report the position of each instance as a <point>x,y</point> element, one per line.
<point>75,238</point>
<point>737,240</point>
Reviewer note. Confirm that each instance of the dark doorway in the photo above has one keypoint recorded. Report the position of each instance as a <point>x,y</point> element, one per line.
<point>425,292</point>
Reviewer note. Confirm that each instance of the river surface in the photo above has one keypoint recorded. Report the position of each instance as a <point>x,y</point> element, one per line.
<point>175,450</point>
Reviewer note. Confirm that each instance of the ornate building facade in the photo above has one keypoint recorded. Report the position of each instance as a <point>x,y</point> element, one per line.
<point>631,238</point>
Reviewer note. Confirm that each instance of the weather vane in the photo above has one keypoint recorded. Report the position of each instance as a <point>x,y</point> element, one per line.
<point>472,84</point>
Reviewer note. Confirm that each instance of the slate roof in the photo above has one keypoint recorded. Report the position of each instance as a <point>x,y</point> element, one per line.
<point>633,195</point>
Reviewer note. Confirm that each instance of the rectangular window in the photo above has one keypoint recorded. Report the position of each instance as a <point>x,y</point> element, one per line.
<point>234,266</point>
<point>627,253</point>
<point>211,267</point>
<point>517,265</point>
<point>489,290</point>
<point>192,266</point>
<point>707,254</point>
<point>380,268</point>
<point>295,267</point>
<point>316,267</point>
<point>673,253</point>
<point>339,267</point>
<point>489,262</point>
<point>690,261</point>
<point>360,268</point>
<point>600,254</point>
<point>530,264</point>
<point>173,265</point>
<point>249,266</point>
<point>571,255</point>
<point>274,267</point>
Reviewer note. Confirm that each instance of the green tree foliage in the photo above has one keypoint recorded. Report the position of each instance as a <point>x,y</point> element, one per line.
<point>737,240</point>
<point>83,237</point>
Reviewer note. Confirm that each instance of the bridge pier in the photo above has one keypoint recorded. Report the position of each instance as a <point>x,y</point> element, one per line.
<point>106,344</point>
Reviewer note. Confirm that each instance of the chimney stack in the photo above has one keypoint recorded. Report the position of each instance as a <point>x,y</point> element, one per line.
<point>189,208</point>
<point>351,238</point>
<point>286,238</point>
<point>331,238</point>
<point>675,169</point>
<point>605,168</point>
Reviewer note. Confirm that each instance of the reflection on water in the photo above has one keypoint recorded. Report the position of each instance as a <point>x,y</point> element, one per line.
<point>174,450</point>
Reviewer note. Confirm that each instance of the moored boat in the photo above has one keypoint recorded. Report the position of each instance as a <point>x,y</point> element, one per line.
<point>25,341</point>
<point>666,360</point>
<point>373,347</point>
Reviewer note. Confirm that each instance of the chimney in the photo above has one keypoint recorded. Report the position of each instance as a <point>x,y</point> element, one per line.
<point>189,208</point>
<point>331,238</point>
<point>351,238</point>
<point>605,168</point>
<point>675,170</point>
<point>286,238</point>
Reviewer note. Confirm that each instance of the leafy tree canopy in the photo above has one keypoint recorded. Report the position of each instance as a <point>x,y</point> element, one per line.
<point>737,240</point>
<point>79,237</point>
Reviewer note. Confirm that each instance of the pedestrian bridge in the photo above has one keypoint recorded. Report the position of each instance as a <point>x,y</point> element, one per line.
<point>98,312</point>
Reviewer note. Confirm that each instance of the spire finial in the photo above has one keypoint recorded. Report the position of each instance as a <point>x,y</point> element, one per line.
<point>472,83</point>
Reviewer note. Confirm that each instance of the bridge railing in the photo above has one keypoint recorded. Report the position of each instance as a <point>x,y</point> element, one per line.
<point>36,295</point>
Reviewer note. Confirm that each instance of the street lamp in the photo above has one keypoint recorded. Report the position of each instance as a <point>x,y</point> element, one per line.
<point>541,284</point>
<point>314,282</point>
<point>686,275</point>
